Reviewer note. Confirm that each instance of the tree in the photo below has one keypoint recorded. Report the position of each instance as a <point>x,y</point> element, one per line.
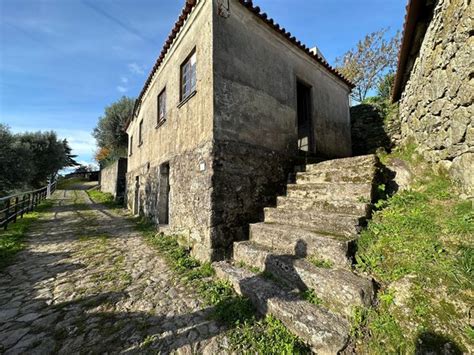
<point>385,86</point>
<point>28,160</point>
<point>368,63</point>
<point>110,131</point>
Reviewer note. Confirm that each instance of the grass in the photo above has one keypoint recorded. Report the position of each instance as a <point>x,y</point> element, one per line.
<point>322,263</point>
<point>66,184</point>
<point>103,198</point>
<point>419,247</point>
<point>12,240</point>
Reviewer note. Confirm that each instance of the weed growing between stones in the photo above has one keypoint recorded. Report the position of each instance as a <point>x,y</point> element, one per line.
<point>419,247</point>
<point>11,240</point>
<point>326,264</point>
<point>310,296</point>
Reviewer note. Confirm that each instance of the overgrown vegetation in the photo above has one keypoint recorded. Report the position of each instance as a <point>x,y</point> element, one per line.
<point>419,247</point>
<point>12,240</point>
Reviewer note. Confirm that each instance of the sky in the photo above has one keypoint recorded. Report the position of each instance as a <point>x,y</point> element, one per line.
<point>63,61</point>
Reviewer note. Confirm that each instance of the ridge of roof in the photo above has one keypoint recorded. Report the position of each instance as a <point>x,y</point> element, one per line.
<point>189,5</point>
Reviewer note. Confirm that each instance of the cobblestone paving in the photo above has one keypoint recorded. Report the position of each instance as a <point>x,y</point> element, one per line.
<point>88,283</point>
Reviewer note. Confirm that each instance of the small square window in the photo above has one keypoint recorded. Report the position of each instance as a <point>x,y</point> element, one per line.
<point>188,76</point>
<point>162,107</point>
<point>140,133</point>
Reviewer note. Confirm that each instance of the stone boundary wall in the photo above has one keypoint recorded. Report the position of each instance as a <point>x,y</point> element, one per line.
<point>112,179</point>
<point>371,131</point>
<point>436,108</point>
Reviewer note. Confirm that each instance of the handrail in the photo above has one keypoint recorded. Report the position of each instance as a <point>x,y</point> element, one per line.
<point>14,206</point>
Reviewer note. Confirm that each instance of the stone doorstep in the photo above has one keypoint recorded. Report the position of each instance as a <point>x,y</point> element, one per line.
<point>340,289</point>
<point>341,163</point>
<point>323,331</point>
<point>334,206</point>
<point>331,223</point>
<point>291,240</point>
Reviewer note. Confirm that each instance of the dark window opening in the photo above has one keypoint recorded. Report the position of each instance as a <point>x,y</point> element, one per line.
<point>305,127</point>
<point>162,107</point>
<point>164,195</point>
<point>140,133</point>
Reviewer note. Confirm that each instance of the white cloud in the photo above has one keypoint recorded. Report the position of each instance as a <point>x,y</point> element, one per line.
<point>136,69</point>
<point>122,89</point>
<point>124,79</point>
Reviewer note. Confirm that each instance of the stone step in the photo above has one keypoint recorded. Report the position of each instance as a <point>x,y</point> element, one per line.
<point>332,191</point>
<point>340,290</point>
<point>323,331</point>
<point>334,206</point>
<point>323,222</point>
<point>344,163</point>
<point>359,175</point>
<point>301,242</point>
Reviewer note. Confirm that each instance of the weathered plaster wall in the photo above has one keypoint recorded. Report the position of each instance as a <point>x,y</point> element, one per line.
<point>256,71</point>
<point>183,140</point>
<point>112,178</point>
<point>436,108</point>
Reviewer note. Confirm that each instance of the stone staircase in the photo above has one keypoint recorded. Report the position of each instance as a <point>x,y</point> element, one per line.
<point>306,243</point>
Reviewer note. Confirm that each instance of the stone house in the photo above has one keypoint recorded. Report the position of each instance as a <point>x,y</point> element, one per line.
<point>434,84</point>
<point>230,105</point>
<point>113,179</point>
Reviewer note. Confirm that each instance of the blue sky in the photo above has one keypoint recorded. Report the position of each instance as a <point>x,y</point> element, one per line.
<point>63,61</point>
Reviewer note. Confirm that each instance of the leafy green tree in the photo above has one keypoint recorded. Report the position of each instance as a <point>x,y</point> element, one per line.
<point>367,64</point>
<point>110,131</point>
<point>28,160</point>
<point>385,86</point>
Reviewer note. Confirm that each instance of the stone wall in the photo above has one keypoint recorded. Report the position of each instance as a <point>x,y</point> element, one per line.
<point>371,129</point>
<point>246,179</point>
<point>113,179</point>
<point>436,108</point>
<point>190,182</point>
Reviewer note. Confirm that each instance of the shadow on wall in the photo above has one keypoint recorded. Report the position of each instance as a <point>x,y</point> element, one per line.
<point>369,131</point>
<point>436,344</point>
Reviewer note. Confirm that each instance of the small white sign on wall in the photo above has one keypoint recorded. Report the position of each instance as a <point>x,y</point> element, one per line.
<point>202,166</point>
<point>223,8</point>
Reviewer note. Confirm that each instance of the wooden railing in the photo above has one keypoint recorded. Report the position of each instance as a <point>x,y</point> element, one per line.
<point>15,206</point>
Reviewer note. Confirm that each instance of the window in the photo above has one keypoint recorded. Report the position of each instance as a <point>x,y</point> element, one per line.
<point>162,107</point>
<point>188,76</point>
<point>130,147</point>
<point>140,133</point>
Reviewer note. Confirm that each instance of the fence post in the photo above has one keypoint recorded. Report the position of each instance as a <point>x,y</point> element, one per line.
<point>7,214</point>
<point>16,209</point>
<point>48,189</point>
<point>23,206</point>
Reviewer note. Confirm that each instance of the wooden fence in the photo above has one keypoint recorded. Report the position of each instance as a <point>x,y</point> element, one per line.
<point>15,206</point>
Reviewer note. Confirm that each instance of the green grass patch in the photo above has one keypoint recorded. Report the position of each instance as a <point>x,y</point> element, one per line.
<point>266,336</point>
<point>12,240</point>
<point>103,198</point>
<point>322,263</point>
<point>67,184</point>
<point>310,296</point>
<point>419,246</point>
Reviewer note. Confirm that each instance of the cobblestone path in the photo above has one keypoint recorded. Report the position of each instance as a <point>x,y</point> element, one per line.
<point>88,283</point>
